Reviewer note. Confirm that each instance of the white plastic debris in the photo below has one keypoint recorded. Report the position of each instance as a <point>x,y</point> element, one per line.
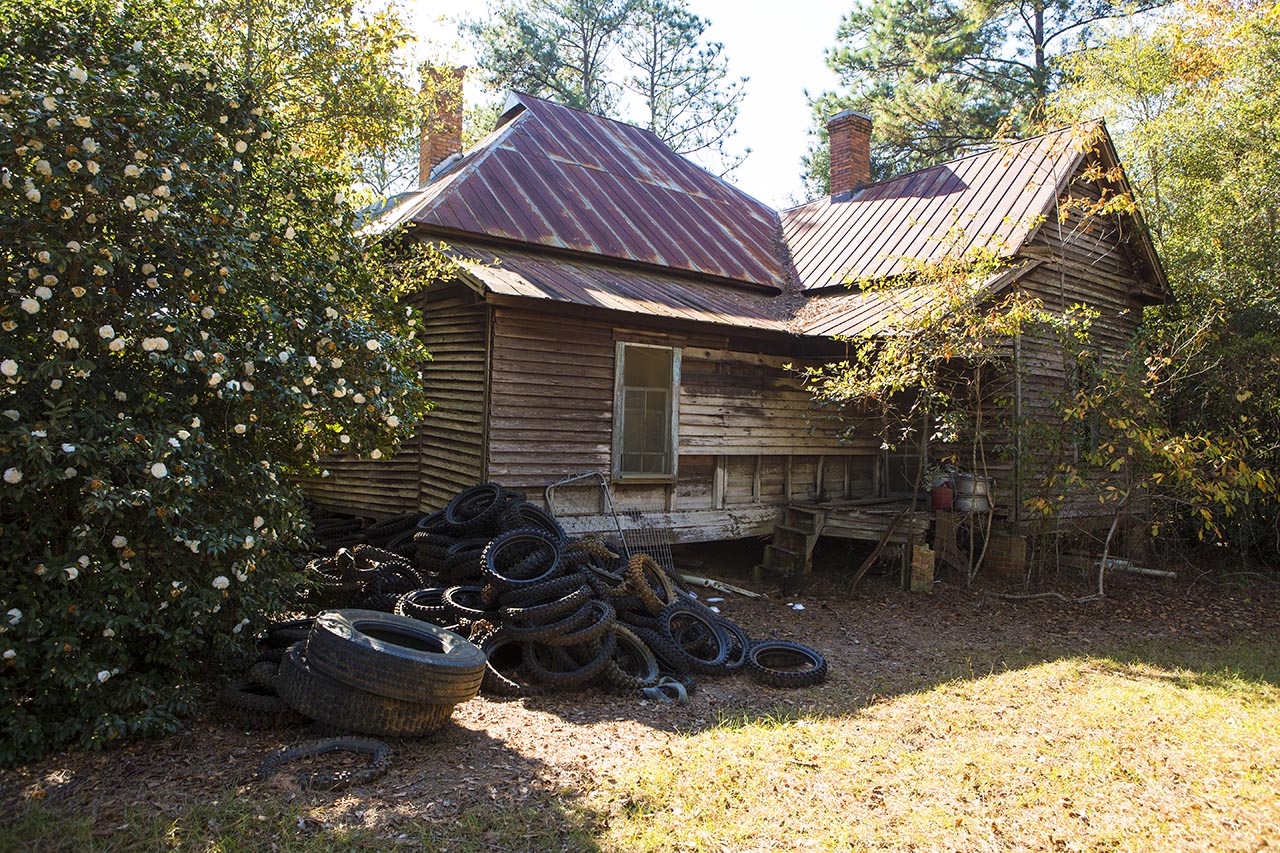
<point>715,600</point>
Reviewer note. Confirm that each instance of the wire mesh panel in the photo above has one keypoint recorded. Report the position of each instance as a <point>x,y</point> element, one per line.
<point>640,537</point>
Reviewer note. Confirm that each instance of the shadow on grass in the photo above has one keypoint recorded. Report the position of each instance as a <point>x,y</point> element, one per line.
<point>414,807</point>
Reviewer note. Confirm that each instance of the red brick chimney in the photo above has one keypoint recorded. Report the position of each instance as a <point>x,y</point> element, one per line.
<point>850,136</point>
<point>442,123</point>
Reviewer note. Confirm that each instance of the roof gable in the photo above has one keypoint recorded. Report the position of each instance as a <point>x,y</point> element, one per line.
<point>561,178</point>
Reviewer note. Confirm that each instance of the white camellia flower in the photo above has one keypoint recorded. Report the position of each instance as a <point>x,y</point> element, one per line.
<point>15,616</point>
<point>78,74</point>
<point>116,345</point>
<point>289,233</point>
<point>336,363</point>
<point>345,439</point>
<point>284,356</point>
<point>241,147</point>
<point>239,429</point>
<point>215,378</point>
<point>55,384</point>
<point>183,434</point>
<point>44,293</point>
<point>173,442</point>
<point>373,345</point>
<point>393,422</point>
<point>376,454</point>
<point>207,312</point>
<point>83,560</point>
<point>248,542</point>
<point>159,471</point>
<point>221,582</point>
<point>258,521</point>
<point>72,572</point>
<point>12,476</point>
<point>10,654</point>
<point>237,166</point>
<point>31,306</point>
<point>132,171</point>
<point>43,168</point>
<point>68,448</point>
<point>118,541</point>
<point>108,633</point>
<point>103,675</point>
<point>105,332</point>
<point>90,145</point>
<point>358,398</point>
<point>93,167</point>
<point>331,312</point>
<point>130,203</point>
<point>60,336</point>
<point>82,121</point>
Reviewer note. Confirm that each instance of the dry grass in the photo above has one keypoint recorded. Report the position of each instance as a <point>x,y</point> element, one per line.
<point>1080,754</point>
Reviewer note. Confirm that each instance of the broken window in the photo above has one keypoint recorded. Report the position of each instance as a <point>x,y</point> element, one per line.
<point>645,411</point>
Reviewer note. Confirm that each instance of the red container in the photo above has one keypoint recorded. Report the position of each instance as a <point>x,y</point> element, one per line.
<point>941,496</point>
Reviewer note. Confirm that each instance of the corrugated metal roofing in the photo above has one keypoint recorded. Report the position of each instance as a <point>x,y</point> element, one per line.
<point>994,199</point>
<point>848,313</point>
<point>534,275</point>
<point>554,176</point>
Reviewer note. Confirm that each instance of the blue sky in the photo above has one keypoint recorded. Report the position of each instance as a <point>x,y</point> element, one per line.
<point>781,54</point>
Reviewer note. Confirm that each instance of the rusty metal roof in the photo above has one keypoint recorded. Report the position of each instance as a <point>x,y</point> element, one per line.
<point>993,200</point>
<point>848,313</point>
<point>531,274</point>
<point>554,176</point>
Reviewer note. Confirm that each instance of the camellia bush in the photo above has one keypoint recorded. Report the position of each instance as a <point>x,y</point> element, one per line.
<point>189,317</point>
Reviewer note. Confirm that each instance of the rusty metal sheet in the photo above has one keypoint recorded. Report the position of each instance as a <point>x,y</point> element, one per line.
<point>555,176</point>
<point>994,199</point>
<point>532,274</point>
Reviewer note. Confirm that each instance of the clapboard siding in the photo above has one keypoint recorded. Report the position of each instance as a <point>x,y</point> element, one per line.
<point>450,445</point>
<point>749,403</point>
<point>551,404</point>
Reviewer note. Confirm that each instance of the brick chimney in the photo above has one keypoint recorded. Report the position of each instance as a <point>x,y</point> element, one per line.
<point>442,122</point>
<point>850,136</point>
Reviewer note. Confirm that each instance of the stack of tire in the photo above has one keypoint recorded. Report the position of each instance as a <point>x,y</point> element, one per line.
<point>379,674</point>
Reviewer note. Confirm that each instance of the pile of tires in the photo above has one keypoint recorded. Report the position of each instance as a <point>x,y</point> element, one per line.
<point>365,671</point>
<point>548,611</point>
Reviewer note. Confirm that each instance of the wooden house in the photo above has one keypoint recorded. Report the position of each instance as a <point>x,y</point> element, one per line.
<point>623,311</point>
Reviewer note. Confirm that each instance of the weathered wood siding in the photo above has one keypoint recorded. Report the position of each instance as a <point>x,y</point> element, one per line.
<point>450,445</point>
<point>750,440</point>
<point>1087,260</point>
<point>447,452</point>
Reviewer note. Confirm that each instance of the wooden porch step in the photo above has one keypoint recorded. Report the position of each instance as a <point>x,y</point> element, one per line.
<point>799,531</point>
<point>788,551</point>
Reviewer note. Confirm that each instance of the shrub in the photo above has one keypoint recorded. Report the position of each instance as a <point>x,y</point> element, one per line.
<point>189,317</point>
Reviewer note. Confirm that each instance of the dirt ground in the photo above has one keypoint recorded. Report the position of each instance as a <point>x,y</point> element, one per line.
<point>881,642</point>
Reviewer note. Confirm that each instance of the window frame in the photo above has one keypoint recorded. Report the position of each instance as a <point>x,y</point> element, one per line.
<point>619,410</point>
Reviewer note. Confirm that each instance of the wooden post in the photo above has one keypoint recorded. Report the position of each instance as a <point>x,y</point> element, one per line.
<point>720,484</point>
<point>786,479</point>
<point>817,478</point>
<point>755,482</point>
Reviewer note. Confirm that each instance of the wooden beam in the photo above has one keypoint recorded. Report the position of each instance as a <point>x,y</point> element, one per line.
<point>755,482</point>
<point>720,483</point>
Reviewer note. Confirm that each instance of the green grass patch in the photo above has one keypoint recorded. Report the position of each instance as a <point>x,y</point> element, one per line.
<point>1095,753</point>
